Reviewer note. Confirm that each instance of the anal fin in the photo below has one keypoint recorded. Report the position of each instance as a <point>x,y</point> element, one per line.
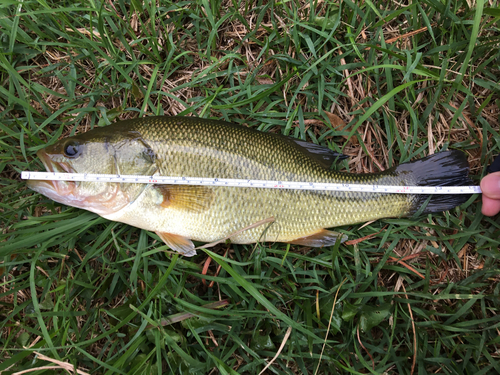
<point>178,243</point>
<point>322,238</point>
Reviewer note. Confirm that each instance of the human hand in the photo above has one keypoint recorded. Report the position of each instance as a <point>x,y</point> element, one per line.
<point>490,186</point>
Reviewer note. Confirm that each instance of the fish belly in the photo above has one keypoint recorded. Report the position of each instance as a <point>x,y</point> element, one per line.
<point>296,213</point>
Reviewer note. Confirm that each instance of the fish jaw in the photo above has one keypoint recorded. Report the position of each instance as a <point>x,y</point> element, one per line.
<point>107,200</point>
<point>53,189</point>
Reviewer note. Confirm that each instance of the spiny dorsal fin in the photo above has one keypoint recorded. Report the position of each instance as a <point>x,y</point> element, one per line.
<point>178,243</point>
<point>191,198</point>
<point>322,238</point>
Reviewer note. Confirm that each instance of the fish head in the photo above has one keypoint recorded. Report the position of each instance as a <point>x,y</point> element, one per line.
<point>107,150</point>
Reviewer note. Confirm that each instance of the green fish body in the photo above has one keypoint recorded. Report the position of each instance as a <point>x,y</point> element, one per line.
<point>194,147</point>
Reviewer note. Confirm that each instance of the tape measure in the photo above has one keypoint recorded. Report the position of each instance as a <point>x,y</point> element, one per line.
<point>202,181</point>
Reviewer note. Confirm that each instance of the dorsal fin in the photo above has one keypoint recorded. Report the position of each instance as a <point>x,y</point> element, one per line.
<point>323,155</point>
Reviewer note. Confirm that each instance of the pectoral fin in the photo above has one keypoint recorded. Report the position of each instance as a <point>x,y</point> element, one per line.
<point>322,238</point>
<point>191,198</point>
<point>178,243</point>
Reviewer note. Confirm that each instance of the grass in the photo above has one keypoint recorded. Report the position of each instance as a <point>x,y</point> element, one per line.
<point>403,79</point>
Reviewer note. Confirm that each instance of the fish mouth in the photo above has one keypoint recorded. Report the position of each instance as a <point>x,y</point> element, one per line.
<point>70,193</point>
<point>51,166</point>
<point>53,189</point>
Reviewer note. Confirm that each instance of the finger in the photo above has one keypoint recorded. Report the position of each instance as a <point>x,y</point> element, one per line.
<point>490,185</point>
<point>491,207</point>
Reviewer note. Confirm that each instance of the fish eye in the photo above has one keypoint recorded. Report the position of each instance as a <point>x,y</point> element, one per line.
<point>72,149</point>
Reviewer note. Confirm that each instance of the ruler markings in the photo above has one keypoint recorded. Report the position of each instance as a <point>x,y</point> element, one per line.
<point>300,185</point>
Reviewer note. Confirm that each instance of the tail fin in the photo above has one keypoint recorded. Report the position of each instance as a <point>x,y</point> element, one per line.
<point>448,168</point>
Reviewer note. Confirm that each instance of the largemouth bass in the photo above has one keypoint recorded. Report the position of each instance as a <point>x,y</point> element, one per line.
<point>194,147</point>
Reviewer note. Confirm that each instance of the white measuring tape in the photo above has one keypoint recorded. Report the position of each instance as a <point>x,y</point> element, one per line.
<point>201,181</point>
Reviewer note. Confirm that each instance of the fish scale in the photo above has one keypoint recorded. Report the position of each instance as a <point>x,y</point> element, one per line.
<point>254,155</point>
<point>193,147</point>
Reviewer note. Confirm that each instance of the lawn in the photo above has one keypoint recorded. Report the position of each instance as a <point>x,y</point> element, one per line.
<point>384,82</point>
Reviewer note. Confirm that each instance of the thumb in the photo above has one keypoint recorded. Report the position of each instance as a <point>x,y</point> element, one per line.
<point>490,185</point>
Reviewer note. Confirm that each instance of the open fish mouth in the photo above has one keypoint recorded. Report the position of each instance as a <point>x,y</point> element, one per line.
<point>71,193</point>
<point>55,190</point>
<point>50,166</point>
